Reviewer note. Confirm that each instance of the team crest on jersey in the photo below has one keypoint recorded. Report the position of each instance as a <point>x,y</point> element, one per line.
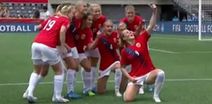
<point>114,39</point>
<point>138,45</point>
<point>83,36</point>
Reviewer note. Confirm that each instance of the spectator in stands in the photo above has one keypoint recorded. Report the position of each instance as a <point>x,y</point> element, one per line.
<point>137,55</point>
<point>184,19</point>
<point>4,12</point>
<point>36,14</point>
<point>44,13</point>
<point>189,18</point>
<point>175,18</point>
<point>194,17</point>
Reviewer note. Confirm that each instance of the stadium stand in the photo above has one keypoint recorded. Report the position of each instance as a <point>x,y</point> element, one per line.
<point>22,8</point>
<point>191,7</point>
<point>115,2</point>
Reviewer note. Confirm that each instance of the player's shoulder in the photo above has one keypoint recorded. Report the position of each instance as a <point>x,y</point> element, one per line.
<point>103,17</point>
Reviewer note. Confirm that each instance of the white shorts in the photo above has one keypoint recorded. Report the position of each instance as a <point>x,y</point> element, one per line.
<point>75,53</point>
<point>82,56</point>
<point>107,71</point>
<point>140,80</point>
<point>72,53</point>
<point>44,54</point>
<point>93,53</point>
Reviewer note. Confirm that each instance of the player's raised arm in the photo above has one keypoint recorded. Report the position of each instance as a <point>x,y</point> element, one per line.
<point>153,19</point>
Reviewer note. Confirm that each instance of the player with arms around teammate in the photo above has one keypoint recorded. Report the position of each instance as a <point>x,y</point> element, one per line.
<point>44,52</point>
<point>137,55</point>
<point>83,37</point>
<point>107,43</point>
<point>98,21</point>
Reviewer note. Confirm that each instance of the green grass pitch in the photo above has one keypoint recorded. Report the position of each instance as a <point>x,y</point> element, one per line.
<point>186,61</point>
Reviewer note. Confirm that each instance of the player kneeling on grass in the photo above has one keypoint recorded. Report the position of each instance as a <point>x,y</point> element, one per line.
<point>137,55</point>
<point>107,43</point>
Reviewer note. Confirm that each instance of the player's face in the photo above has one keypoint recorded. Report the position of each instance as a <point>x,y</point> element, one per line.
<point>83,8</point>
<point>128,35</point>
<point>89,21</point>
<point>108,27</point>
<point>121,27</point>
<point>97,12</point>
<point>130,14</point>
<point>71,13</point>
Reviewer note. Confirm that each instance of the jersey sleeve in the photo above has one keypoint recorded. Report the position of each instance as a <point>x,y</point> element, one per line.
<point>66,23</point>
<point>44,23</point>
<point>144,36</point>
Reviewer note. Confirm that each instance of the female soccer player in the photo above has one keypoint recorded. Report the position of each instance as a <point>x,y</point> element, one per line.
<point>98,21</point>
<point>83,37</point>
<point>137,55</point>
<point>131,19</point>
<point>44,52</point>
<point>107,43</point>
<point>132,22</point>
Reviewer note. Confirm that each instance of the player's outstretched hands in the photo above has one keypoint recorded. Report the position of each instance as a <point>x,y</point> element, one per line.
<point>153,6</point>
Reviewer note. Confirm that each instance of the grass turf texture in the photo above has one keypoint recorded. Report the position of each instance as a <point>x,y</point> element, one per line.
<point>181,57</point>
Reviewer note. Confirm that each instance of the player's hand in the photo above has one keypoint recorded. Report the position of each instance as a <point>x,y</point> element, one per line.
<point>153,6</point>
<point>98,34</point>
<point>63,49</point>
<point>85,48</point>
<point>132,79</point>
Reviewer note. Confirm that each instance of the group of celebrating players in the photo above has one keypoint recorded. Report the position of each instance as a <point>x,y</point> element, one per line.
<point>78,37</point>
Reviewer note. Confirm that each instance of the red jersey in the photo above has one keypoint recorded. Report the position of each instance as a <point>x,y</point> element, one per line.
<point>97,25</point>
<point>138,56</point>
<point>77,22</point>
<point>107,46</point>
<point>50,33</point>
<point>132,26</point>
<point>70,38</point>
<point>83,37</point>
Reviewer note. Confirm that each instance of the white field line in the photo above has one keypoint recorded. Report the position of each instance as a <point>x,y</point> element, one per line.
<point>192,39</point>
<point>111,81</point>
<point>163,51</point>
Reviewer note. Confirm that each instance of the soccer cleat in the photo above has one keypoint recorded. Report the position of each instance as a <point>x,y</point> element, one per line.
<point>31,99</point>
<point>89,93</point>
<point>25,94</point>
<point>156,99</point>
<point>59,100</point>
<point>141,91</point>
<point>150,88</point>
<point>94,89</point>
<point>118,94</point>
<point>72,95</point>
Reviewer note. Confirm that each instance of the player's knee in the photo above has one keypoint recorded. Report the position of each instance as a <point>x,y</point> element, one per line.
<point>127,98</point>
<point>161,73</point>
